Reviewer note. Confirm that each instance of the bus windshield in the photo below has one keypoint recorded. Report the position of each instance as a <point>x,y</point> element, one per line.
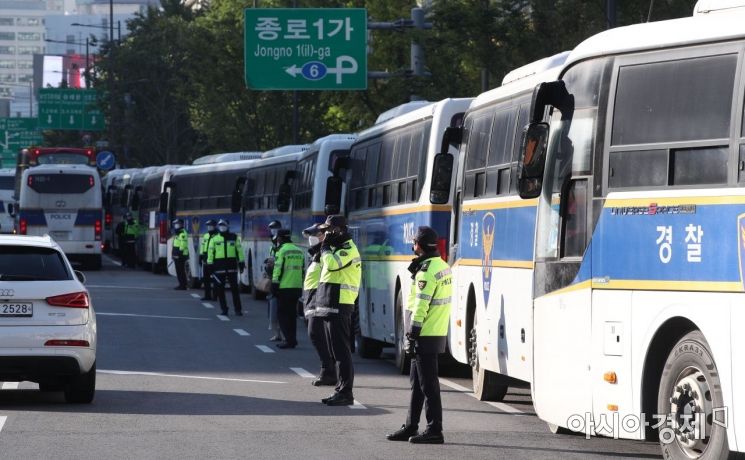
<point>63,158</point>
<point>60,183</point>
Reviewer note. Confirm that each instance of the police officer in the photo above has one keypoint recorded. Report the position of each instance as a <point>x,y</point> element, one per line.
<point>427,320</point>
<point>316,332</point>
<point>274,227</point>
<point>203,247</point>
<point>225,257</point>
<point>180,252</point>
<point>131,232</point>
<point>287,286</point>
<point>338,287</point>
<point>272,306</point>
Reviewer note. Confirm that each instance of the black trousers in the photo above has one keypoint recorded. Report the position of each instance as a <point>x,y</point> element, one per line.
<point>180,265</point>
<point>287,313</point>
<point>129,258</point>
<point>232,278</point>
<point>317,336</point>
<point>425,391</point>
<point>338,327</point>
<point>207,281</point>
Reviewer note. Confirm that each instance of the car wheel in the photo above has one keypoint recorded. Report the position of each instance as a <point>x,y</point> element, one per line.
<point>81,388</point>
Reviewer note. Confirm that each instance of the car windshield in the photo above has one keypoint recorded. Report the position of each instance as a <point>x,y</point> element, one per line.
<point>30,263</point>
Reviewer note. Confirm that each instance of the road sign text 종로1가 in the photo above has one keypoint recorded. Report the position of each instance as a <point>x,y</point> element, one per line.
<point>306,48</point>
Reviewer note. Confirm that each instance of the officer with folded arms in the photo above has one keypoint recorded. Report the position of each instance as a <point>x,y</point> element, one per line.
<point>427,320</point>
<point>225,257</point>
<point>204,244</point>
<point>316,333</point>
<point>341,274</point>
<point>180,252</point>
<point>287,286</point>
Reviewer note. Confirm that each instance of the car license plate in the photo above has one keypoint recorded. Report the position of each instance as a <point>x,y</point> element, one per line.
<point>60,236</point>
<point>16,309</point>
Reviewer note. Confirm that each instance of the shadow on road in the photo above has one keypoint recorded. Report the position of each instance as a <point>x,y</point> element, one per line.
<point>591,453</point>
<point>173,403</point>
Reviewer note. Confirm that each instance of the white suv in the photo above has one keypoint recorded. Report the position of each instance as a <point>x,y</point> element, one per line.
<point>47,322</point>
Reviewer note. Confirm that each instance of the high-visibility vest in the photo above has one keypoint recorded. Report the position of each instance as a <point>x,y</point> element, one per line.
<point>131,231</point>
<point>310,286</point>
<point>288,267</point>
<point>224,251</point>
<point>181,244</point>
<point>341,276</point>
<point>429,302</point>
<point>204,242</point>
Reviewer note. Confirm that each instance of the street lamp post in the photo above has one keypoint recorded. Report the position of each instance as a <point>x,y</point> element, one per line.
<point>87,55</point>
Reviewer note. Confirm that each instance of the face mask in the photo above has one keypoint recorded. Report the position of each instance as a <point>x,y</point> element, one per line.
<point>274,232</point>
<point>177,227</point>
<point>210,228</point>
<point>313,240</point>
<point>222,228</point>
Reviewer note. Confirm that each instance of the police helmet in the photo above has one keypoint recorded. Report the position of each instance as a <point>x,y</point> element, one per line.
<point>222,222</point>
<point>211,222</point>
<point>426,237</point>
<point>336,220</point>
<point>275,224</point>
<point>177,223</point>
<point>314,229</point>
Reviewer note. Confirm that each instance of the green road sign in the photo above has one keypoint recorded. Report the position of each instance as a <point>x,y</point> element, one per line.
<point>15,134</point>
<point>306,48</point>
<point>65,108</point>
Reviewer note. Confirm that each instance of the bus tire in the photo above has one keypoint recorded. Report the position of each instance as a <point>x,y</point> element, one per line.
<point>402,361</point>
<point>486,384</point>
<point>690,384</point>
<point>368,348</point>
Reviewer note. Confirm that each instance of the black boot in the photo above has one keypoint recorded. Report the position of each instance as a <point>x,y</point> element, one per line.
<point>326,400</point>
<point>403,434</point>
<point>341,399</point>
<point>428,438</point>
<point>323,381</point>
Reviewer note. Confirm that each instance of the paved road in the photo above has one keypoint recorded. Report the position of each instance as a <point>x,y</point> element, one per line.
<point>176,381</point>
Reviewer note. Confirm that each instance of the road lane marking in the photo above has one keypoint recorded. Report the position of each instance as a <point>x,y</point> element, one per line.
<point>151,316</point>
<point>113,261</point>
<point>196,296</point>
<point>497,405</point>
<point>208,305</point>
<point>264,348</point>
<point>114,286</point>
<point>178,376</point>
<point>302,372</point>
<point>357,405</point>
<point>11,385</point>
<point>241,332</point>
<point>3,418</point>
<point>223,318</point>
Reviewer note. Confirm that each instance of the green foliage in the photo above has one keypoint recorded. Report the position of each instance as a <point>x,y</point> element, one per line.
<point>175,90</point>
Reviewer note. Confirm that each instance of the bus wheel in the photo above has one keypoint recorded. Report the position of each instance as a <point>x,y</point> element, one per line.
<point>689,394</point>
<point>486,386</point>
<point>402,361</point>
<point>368,348</point>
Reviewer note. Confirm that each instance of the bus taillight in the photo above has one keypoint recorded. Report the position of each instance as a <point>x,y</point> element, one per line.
<point>107,219</point>
<point>97,228</point>
<point>163,231</point>
<point>442,246</point>
<point>22,226</point>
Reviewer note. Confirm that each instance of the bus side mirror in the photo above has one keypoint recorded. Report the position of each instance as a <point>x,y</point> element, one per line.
<point>532,160</point>
<point>135,201</point>
<point>235,201</point>
<point>163,204</point>
<point>284,198</point>
<point>333,195</point>
<point>442,173</point>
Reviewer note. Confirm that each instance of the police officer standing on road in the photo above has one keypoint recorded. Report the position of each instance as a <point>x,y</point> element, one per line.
<point>131,232</point>
<point>316,332</point>
<point>225,257</point>
<point>338,287</point>
<point>287,286</point>
<point>203,247</point>
<point>274,227</point>
<point>180,252</point>
<point>427,320</point>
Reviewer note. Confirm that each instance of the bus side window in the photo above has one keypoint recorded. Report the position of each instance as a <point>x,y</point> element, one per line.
<point>574,232</point>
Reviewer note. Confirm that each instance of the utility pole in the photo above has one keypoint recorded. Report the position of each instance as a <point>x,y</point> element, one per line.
<point>295,108</point>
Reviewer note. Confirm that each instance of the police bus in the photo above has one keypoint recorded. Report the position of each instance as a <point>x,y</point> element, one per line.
<point>492,251</point>
<point>388,198</point>
<point>65,202</point>
<point>115,204</point>
<point>196,194</point>
<point>257,203</point>
<point>223,157</point>
<point>34,156</point>
<point>640,239</point>
<point>153,246</point>
<point>7,202</point>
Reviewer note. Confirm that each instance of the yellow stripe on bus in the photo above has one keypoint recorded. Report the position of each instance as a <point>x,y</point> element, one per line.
<point>655,285</point>
<point>496,263</point>
<point>675,201</point>
<point>501,205</point>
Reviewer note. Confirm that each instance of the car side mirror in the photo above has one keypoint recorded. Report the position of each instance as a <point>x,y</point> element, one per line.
<point>333,195</point>
<point>80,276</point>
<point>532,160</point>
<point>284,198</point>
<point>442,173</point>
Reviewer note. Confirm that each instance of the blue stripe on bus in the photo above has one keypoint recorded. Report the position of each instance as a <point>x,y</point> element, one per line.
<point>509,231</point>
<point>87,216</point>
<point>33,216</point>
<point>396,231</point>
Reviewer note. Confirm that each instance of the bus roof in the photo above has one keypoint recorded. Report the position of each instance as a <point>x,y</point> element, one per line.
<point>222,157</point>
<point>400,110</point>
<point>7,172</point>
<point>286,158</point>
<point>408,117</point>
<point>316,145</point>
<point>209,167</point>
<point>285,149</point>
<point>717,6</point>
<point>701,28</point>
<point>62,169</point>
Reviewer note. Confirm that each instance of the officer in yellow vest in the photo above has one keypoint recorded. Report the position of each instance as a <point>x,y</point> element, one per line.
<point>225,257</point>
<point>180,252</point>
<point>132,230</point>
<point>204,244</point>
<point>427,320</point>
<point>287,285</point>
<point>338,287</point>
<point>316,333</point>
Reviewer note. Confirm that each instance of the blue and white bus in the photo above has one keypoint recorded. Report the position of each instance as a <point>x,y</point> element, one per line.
<point>65,202</point>
<point>224,157</point>
<point>7,202</point>
<point>153,245</point>
<point>492,251</point>
<point>639,279</point>
<point>115,204</point>
<point>388,197</point>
